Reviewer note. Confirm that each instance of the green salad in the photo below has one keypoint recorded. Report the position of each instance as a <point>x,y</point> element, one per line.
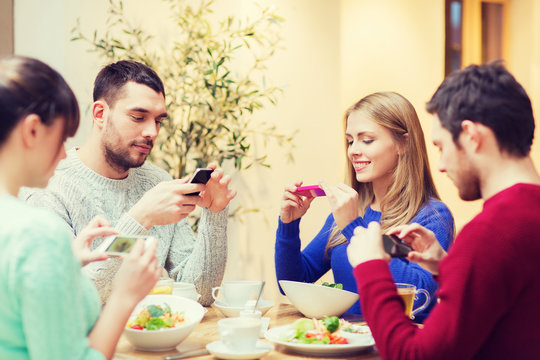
<point>313,331</point>
<point>337,286</point>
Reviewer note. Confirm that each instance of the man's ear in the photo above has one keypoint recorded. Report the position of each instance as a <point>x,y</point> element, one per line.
<point>31,130</point>
<point>100,113</point>
<point>472,134</point>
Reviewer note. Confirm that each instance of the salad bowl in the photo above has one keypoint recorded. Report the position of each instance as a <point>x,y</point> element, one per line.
<point>317,301</point>
<point>164,339</point>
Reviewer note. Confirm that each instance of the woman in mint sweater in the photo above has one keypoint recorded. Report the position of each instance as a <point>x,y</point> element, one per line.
<point>390,182</point>
<point>49,310</point>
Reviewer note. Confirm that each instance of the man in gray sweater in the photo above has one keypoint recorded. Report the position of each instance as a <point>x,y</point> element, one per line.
<point>108,176</point>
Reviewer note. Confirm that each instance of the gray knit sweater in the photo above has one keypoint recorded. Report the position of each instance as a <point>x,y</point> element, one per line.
<point>77,194</point>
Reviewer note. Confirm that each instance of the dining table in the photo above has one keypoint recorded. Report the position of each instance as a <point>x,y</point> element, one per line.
<point>207,331</point>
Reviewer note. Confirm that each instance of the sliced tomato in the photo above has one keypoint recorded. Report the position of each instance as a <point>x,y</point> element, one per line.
<point>136,327</point>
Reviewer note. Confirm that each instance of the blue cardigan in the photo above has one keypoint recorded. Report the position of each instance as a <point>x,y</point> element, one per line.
<point>312,263</point>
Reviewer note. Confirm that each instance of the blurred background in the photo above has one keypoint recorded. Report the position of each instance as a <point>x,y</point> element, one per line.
<point>332,53</point>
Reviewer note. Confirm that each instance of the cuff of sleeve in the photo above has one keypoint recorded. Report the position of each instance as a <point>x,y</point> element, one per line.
<point>348,231</point>
<point>289,229</point>
<point>216,219</point>
<point>371,271</point>
<point>130,226</point>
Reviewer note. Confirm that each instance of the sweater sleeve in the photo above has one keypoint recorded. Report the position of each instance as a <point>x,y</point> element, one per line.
<point>307,265</point>
<point>200,260</point>
<point>51,300</point>
<point>460,323</point>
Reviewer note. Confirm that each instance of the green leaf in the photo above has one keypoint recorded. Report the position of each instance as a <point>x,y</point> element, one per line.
<point>155,311</point>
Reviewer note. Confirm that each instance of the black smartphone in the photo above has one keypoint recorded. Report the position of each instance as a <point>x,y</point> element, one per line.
<point>394,246</point>
<point>200,176</point>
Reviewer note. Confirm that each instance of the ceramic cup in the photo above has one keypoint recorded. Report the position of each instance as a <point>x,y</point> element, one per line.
<point>239,334</point>
<point>237,293</point>
<point>186,290</point>
<point>408,294</point>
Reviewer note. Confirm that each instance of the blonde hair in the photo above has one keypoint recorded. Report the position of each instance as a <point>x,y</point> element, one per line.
<point>412,185</point>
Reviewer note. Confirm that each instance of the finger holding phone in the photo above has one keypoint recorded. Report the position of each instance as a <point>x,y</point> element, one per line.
<point>217,194</point>
<point>427,251</point>
<point>166,203</point>
<point>366,244</point>
<point>294,205</point>
<point>343,202</point>
<point>97,227</point>
<point>139,271</point>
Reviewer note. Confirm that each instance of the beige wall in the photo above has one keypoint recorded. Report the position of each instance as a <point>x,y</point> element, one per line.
<point>6,27</point>
<point>335,53</point>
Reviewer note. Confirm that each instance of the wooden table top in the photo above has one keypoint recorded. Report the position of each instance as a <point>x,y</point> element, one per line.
<point>206,332</point>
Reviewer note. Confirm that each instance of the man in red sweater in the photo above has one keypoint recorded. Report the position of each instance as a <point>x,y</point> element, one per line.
<point>490,279</point>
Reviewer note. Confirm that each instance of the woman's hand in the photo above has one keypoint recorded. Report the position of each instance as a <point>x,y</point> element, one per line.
<point>293,206</point>
<point>97,227</point>
<point>138,273</point>
<point>343,203</point>
<point>427,253</point>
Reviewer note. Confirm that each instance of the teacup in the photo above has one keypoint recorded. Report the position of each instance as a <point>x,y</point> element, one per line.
<point>186,290</point>
<point>237,293</point>
<point>239,334</point>
<point>408,294</point>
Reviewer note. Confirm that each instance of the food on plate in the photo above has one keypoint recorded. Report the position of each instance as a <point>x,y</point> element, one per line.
<point>155,317</point>
<point>354,328</point>
<point>313,331</point>
<point>337,286</point>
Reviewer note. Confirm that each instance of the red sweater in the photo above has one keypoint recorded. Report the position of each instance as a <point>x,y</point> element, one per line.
<point>489,290</point>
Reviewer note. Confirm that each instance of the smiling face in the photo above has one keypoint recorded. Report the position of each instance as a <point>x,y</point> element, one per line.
<point>455,163</point>
<point>371,149</point>
<point>132,125</point>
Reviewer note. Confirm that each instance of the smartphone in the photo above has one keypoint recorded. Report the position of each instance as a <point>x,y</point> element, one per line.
<point>200,176</point>
<point>310,191</point>
<point>116,245</point>
<point>394,246</point>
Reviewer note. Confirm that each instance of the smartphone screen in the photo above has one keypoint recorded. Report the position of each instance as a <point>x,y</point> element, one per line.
<point>201,176</point>
<point>394,246</point>
<point>121,245</point>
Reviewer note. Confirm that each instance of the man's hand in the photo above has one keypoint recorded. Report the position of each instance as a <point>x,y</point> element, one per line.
<point>166,203</point>
<point>427,253</point>
<point>293,206</point>
<point>343,203</point>
<point>216,195</point>
<point>366,245</point>
<point>97,227</point>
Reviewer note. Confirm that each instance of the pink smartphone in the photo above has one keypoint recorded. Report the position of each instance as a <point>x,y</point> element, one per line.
<point>310,191</point>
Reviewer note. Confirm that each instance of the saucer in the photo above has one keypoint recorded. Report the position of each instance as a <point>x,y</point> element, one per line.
<point>219,350</point>
<point>234,311</point>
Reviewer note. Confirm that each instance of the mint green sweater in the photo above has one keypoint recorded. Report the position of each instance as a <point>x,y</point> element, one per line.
<point>47,306</point>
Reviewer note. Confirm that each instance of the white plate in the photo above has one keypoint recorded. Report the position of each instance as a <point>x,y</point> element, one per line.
<point>219,350</point>
<point>357,343</point>
<point>234,311</point>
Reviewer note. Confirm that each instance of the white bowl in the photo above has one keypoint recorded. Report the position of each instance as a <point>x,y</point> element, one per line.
<point>234,311</point>
<point>318,301</point>
<point>165,339</point>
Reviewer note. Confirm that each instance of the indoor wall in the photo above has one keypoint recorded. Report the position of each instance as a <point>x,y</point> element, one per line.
<point>334,53</point>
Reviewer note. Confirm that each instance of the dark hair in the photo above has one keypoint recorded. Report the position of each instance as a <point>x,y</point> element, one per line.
<point>490,95</point>
<point>113,77</point>
<point>29,86</point>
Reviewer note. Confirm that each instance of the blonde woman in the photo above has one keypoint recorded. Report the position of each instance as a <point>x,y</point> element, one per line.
<point>389,182</point>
